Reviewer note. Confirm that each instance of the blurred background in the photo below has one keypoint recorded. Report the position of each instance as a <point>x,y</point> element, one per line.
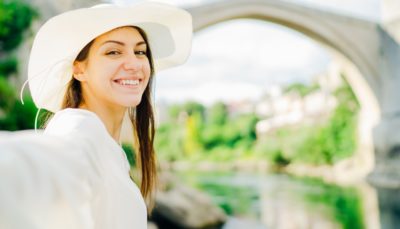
<point>284,116</point>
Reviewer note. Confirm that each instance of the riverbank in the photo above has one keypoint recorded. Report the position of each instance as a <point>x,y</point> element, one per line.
<point>348,171</point>
<point>272,198</point>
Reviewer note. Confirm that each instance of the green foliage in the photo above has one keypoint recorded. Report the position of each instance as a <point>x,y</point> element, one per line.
<point>169,142</point>
<point>232,133</point>
<point>212,134</point>
<point>194,108</point>
<point>301,89</point>
<point>271,149</point>
<point>278,158</point>
<point>20,117</point>
<point>130,154</point>
<point>174,112</point>
<point>8,66</point>
<point>218,114</point>
<point>324,143</point>
<point>246,126</point>
<point>7,95</point>
<point>345,202</point>
<point>233,199</point>
<point>336,140</point>
<point>217,136</point>
<point>343,205</point>
<point>15,17</point>
<point>238,131</point>
<point>192,138</point>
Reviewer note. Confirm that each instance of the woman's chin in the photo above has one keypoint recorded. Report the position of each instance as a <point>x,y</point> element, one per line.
<point>130,103</point>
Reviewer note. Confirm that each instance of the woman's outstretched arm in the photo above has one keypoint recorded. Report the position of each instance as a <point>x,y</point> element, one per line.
<point>45,181</point>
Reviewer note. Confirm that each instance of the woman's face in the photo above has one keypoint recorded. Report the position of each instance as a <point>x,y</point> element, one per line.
<point>116,71</point>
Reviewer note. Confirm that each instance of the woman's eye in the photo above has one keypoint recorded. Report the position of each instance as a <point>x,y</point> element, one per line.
<point>114,52</point>
<point>140,53</point>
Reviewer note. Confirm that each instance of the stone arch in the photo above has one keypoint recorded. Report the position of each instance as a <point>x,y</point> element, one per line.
<point>332,31</point>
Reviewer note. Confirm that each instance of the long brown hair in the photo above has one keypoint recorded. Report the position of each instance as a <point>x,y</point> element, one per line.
<point>142,119</point>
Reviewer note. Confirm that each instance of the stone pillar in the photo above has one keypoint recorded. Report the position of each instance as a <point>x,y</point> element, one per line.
<point>386,175</point>
<point>387,132</point>
<point>389,207</point>
<point>390,17</point>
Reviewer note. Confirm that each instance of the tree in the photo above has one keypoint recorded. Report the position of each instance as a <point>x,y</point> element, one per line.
<point>192,140</point>
<point>15,18</point>
<point>193,107</point>
<point>301,89</point>
<point>218,114</point>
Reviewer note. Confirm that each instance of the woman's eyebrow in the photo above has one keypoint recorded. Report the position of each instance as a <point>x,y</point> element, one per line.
<point>122,43</point>
<point>112,41</point>
<point>141,43</point>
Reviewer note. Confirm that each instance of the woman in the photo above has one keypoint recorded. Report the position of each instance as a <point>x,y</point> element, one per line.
<point>90,67</point>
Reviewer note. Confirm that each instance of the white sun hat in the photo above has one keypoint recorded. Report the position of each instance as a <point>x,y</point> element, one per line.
<point>61,38</point>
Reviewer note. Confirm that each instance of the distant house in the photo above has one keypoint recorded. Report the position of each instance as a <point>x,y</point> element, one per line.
<point>286,109</point>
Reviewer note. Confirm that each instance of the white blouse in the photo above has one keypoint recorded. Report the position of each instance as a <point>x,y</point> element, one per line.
<point>74,175</point>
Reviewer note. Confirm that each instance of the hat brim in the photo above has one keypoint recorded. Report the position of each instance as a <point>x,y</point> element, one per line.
<point>60,39</point>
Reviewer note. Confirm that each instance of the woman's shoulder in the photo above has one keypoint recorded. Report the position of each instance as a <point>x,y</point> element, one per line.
<point>71,120</point>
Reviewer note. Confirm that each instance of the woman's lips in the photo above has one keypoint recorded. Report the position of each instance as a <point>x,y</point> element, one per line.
<point>128,83</point>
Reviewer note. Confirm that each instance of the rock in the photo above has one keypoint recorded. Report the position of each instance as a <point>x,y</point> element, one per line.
<point>179,206</point>
<point>238,223</point>
<point>151,225</point>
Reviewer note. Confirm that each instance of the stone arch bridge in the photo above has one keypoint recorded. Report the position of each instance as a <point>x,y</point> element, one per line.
<point>370,59</point>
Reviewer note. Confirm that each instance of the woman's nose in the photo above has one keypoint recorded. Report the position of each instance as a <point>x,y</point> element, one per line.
<point>132,63</point>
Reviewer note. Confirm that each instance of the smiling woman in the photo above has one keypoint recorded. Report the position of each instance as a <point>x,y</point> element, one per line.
<point>112,72</point>
<point>90,67</point>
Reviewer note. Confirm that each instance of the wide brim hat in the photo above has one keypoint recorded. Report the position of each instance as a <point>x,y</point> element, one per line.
<point>61,38</point>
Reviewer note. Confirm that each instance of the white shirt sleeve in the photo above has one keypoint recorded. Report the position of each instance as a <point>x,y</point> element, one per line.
<point>47,180</point>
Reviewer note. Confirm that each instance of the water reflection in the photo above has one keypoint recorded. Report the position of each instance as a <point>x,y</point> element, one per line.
<point>389,206</point>
<point>283,202</point>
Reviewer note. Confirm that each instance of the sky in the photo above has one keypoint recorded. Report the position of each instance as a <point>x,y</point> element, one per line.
<point>242,59</point>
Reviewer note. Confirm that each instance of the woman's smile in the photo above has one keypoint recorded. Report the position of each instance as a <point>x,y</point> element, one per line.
<point>133,83</point>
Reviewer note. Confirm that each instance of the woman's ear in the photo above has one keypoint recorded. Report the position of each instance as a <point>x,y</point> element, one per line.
<point>78,70</point>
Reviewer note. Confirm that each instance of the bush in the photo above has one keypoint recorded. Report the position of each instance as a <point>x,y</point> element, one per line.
<point>8,66</point>
<point>20,117</point>
<point>15,17</point>
<point>335,140</point>
<point>7,95</point>
<point>130,154</point>
<point>169,142</point>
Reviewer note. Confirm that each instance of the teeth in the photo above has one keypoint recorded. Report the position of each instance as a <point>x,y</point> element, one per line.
<point>129,82</point>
